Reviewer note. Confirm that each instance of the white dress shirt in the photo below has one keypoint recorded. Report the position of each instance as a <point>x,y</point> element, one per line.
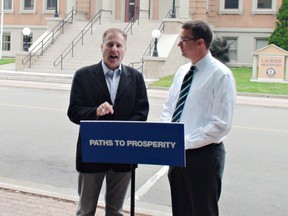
<point>208,111</point>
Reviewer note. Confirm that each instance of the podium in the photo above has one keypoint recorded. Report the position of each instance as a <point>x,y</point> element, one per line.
<point>133,143</point>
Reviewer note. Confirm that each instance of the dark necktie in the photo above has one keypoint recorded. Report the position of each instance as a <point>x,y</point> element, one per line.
<point>183,94</point>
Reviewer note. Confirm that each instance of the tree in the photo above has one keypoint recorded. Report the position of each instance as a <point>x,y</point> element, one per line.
<point>279,37</point>
<point>220,49</point>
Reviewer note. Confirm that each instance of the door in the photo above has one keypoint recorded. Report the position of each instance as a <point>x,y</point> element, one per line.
<point>132,10</point>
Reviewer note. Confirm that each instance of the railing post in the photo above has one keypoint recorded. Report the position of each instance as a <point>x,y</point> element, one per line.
<point>82,38</point>
<point>72,50</point>
<point>61,61</point>
<point>42,45</point>
<point>29,59</point>
<point>72,16</point>
<point>53,36</point>
<point>62,27</point>
<point>91,26</point>
<point>100,16</point>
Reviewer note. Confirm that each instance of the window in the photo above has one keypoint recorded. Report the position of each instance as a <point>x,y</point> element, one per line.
<point>260,43</point>
<point>264,6</point>
<point>8,5</point>
<point>233,49</point>
<point>6,45</point>
<point>28,5</point>
<point>51,4</point>
<point>231,4</point>
<point>231,7</point>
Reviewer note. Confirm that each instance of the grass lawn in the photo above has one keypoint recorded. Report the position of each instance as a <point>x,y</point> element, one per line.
<point>6,61</point>
<point>243,83</point>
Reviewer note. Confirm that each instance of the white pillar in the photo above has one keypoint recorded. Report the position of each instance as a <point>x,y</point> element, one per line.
<point>254,70</point>
<point>107,5</point>
<point>183,9</point>
<point>144,9</point>
<point>286,76</point>
<point>70,4</point>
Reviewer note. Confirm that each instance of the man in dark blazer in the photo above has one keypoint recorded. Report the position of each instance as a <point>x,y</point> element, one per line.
<point>108,90</point>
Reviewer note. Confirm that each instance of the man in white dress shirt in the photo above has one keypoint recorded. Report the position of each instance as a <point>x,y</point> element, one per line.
<point>207,117</point>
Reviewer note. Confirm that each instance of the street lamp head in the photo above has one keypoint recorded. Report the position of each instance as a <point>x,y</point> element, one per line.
<point>156,33</point>
<point>26,31</point>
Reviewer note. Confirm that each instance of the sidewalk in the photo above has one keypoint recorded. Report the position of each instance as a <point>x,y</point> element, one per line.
<point>18,203</point>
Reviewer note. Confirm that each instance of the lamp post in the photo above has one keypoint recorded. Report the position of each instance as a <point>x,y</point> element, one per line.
<point>26,31</point>
<point>56,9</point>
<point>155,34</point>
<point>173,14</point>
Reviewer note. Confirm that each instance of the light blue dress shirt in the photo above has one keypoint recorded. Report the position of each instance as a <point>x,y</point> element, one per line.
<point>112,81</point>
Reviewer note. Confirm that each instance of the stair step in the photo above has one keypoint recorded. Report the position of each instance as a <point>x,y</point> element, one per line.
<point>90,52</point>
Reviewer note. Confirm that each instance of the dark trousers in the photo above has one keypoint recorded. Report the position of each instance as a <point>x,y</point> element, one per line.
<point>196,188</point>
<point>89,187</point>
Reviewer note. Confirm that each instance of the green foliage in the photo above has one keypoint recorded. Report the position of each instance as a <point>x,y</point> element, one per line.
<point>220,49</point>
<point>279,37</point>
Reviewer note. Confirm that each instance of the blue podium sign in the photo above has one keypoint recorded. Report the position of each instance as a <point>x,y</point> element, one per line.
<point>133,142</point>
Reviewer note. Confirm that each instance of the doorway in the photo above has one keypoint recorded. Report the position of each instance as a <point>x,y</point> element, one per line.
<point>132,9</point>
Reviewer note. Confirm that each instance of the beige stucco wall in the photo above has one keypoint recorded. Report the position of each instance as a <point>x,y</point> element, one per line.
<point>246,19</point>
<point>38,17</point>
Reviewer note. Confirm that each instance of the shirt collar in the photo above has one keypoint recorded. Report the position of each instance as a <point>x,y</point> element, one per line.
<point>200,64</point>
<point>106,69</point>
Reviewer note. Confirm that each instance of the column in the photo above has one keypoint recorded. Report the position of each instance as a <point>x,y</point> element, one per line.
<point>144,10</point>
<point>107,6</point>
<point>183,9</point>
<point>286,76</point>
<point>254,70</point>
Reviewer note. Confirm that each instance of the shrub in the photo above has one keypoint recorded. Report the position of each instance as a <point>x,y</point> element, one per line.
<point>220,49</point>
<point>279,37</point>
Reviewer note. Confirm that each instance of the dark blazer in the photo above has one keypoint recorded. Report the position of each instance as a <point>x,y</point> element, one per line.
<point>89,90</point>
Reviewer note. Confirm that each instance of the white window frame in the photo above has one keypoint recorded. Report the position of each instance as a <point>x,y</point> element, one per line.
<point>22,9</point>
<point>44,8</point>
<point>260,38</point>
<point>255,10</point>
<point>234,50</point>
<point>12,6</point>
<point>222,9</point>
<point>6,43</point>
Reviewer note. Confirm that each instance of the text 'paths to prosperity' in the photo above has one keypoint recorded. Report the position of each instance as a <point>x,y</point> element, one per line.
<point>132,143</point>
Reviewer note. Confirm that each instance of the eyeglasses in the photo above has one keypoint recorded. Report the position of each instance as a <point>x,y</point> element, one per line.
<point>185,40</point>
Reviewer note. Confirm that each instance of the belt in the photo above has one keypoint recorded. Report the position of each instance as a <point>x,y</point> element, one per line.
<point>216,146</point>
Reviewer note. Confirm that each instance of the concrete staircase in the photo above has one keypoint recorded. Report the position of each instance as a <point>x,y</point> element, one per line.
<point>90,52</point>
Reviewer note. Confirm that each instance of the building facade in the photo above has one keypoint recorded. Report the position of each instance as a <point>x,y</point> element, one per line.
<point>246,25</point>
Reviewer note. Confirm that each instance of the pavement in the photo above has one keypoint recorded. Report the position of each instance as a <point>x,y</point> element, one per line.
<point>19,200</point>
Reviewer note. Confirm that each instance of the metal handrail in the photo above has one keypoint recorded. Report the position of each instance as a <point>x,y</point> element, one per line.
<point>169,14</point>
<point>150,46</point>
<point>129,26</point>
<point>49,38</point>
<point>79,37</point>
<point>147,51</point>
